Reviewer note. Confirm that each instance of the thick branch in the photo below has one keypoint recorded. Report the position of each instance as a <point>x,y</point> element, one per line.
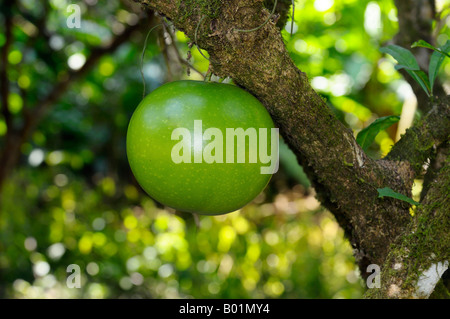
<point>418,143</point>
<point>436,163</point>
<point>418,259</point>
<point>282,10</point>
<point>344,177</point>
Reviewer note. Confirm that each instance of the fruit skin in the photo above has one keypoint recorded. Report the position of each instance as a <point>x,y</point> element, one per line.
<point>202,188</point>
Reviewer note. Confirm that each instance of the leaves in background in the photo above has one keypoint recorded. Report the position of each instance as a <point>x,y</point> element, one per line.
<point>388,192</point>
<point>367,135</point>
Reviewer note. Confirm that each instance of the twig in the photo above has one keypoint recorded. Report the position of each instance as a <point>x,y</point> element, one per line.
<point>166,54</point>
<point>142,57</point>
<point>180,59</point>
<point>195,37</point>
<point>292,20</point>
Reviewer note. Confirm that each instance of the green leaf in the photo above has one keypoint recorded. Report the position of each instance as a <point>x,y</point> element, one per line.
<point>403,56</point>
<point>421,78</point>
<point>367,135</point>
<point>401,66</point>
<point>435,63</point>
<point>434,66</point>
<point>407,61</point>
<point>424,44</point>
<point>388,192</point>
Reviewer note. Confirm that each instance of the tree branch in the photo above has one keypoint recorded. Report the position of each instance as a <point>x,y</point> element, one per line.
<point>345,178</point>
<point>436,163</point>
<point>282,10</point>
<point>419,257</point>
<point>418,143</point>
<point>178,55</point>
<point>417,147</point>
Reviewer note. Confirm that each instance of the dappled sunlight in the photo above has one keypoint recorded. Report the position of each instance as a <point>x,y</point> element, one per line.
<point>155,252</point>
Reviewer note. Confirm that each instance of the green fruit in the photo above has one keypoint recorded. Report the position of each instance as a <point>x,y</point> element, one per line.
<point>203,188</point>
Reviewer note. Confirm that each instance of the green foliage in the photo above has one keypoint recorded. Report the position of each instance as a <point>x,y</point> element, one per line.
<point>436,60</point>
<point>73,198</point>
<point>424,44</point>
<point>126,245</point>
<point>407,61</point>
<point>367,135</point>
<point>388,192</point>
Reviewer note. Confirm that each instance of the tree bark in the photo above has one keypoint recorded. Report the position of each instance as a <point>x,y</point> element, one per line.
<point>345,179</point>
<point>422,254</point>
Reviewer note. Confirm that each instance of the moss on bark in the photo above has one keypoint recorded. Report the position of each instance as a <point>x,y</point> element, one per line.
<point>426,242</point>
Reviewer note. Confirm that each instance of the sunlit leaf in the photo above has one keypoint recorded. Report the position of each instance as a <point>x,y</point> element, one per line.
<point>367,135</point>
<point>403,56</point>
<point>424,44</point>
<point>407,61</point>
<point>421,78</point>
<point>388,192</point>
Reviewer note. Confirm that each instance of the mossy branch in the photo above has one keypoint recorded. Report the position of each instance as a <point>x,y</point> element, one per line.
<point>419,142</point>
<point>346,180</point>
<point>282,10</point>
<point>419,257</point>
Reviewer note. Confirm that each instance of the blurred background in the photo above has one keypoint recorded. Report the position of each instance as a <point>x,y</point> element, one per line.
<point>68,195</point>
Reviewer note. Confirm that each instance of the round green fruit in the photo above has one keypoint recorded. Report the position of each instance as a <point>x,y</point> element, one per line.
<point>183,156</point>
